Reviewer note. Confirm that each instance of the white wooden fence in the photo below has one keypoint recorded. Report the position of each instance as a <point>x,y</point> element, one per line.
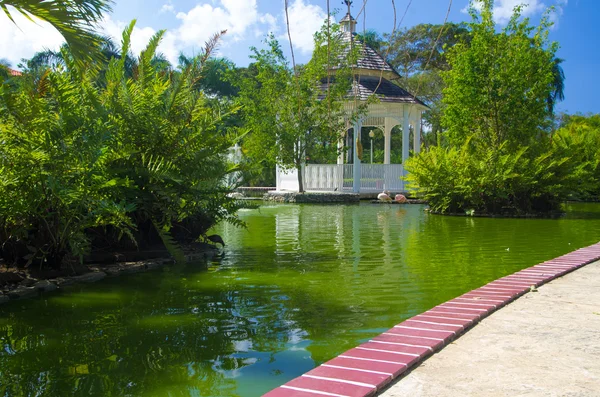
<point>339,177</point>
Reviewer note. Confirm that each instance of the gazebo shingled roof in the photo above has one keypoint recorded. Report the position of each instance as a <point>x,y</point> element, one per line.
<point>373,73</point>
<point>348,18</point>
<point>386,91</point>
<point>369,58</point>
<point>366,86</point>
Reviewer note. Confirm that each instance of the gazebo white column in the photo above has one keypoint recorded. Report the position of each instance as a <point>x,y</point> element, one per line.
<point>387,135</point>
<point>405,134</point>
<point>417,134</point>
<point>356,172</point>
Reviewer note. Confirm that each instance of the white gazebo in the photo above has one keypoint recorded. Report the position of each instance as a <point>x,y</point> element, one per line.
<point>396,106</point>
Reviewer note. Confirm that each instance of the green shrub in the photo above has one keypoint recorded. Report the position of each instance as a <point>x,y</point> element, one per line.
<point>581,138</point>
<point>478,178</point>
<point>79,156</point>
<point>501,158</point>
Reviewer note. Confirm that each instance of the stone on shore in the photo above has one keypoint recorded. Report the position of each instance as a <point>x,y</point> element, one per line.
<point>91,277</point>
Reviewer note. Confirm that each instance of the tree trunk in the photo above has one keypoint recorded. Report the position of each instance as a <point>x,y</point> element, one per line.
<point>350,146</point>
<point>300,178</point>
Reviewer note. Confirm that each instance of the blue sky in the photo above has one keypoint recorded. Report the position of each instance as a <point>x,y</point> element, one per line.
<point>190,22</point>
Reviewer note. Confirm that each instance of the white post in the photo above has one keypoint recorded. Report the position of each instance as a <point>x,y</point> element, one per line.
<point>387,133</point>
<point>417,137</point>
<point>405,135</point>
<point>356,161</point>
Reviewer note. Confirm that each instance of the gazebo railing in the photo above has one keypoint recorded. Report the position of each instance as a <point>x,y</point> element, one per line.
<point>339,177</point>
<point>328,177</point>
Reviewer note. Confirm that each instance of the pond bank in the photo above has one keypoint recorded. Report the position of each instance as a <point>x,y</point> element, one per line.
<point>371,366</point>
<point>26,286</point>
<point>312,197</point>
<point>330,197</point>
<point>473,214</point>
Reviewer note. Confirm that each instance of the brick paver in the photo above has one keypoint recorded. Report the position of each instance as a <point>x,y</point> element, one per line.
<point>544,344</point>
<point>368,368</point>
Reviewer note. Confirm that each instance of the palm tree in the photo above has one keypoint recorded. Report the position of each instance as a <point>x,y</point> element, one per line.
<point>558,85</point>
<point>161,63</point>
<point>74,20</point>
<point>44,59</point>
<point>106,48</point>
<point>372,39</point>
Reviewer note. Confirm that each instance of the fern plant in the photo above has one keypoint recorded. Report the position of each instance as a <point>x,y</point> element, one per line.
<point>481,179</point>
<point>136,150</point>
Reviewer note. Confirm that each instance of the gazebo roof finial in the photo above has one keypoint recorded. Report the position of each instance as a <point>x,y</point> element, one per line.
<point>348,22</point>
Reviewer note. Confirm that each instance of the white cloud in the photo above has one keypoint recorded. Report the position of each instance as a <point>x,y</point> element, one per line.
<point>139,37</point>
<point>168,7</point>
<point>241,14</point>
<point>199,23</point>
<point>169,48</point>
<point>270,21</point>
<point>305,20</point>
<point>25,38</point>
<point>196,26</point>
<point>204,20</point>
<point>503,9</point>
<point>240,18</point>
<point>558,11</point>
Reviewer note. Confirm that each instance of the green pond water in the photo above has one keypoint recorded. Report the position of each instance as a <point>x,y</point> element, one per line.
<point>299,286</point>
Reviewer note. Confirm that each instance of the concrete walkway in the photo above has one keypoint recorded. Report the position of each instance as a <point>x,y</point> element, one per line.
<point>546,343</point>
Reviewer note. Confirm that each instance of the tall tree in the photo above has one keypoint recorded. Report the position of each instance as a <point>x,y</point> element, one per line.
<point>499,157</point>
<point>423,47</point>
<point>419,55</point>
<point>497,87</point>
<point>290,111</point>
<point>74,19</point>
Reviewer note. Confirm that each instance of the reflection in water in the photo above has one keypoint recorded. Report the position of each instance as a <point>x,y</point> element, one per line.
<point>300,285</point>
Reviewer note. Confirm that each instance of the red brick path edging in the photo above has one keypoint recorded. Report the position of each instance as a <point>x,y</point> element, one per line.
<point>366,369</point>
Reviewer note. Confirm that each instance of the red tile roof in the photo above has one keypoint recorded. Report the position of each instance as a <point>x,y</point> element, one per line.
<point>13,72</point>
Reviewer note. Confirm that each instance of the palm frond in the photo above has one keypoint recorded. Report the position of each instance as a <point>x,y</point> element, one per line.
<point>211,45</point>
<point>75,20</point>
<point>169,243</point>
<point>145,69</point>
